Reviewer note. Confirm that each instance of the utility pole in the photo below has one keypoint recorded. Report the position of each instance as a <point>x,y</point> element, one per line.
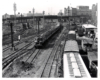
<point>14,12</point>
<point>21,17</point>
<point>82,20</point>
<point>33,15</point>
<point>11,26</point>
<point>69,15</point>
<point>43,17</point>
<point>38,26</point>
<point>61,16</point>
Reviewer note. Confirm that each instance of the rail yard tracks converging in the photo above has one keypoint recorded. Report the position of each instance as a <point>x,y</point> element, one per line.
<point>8,59</point>
<point>42,59</point>
<point>31,37</point>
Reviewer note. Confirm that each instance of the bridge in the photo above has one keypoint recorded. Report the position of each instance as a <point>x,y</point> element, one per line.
<point>23,19</point>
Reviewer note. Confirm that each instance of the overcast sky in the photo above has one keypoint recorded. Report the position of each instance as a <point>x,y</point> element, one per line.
<point>49,6</point>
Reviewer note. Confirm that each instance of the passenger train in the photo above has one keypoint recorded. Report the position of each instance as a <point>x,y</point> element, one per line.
<point>44,37</point>
<point>73,65</point>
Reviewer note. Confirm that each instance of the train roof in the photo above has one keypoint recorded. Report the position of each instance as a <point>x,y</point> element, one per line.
<point>71,32</point>
<point>89,26</point>
<point>71,46</point>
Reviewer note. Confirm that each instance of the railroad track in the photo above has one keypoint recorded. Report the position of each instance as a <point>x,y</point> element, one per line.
<point>48,66</point>
<point>7,60</point>
<point>57,66</point>
<point>59,58</point>
<point>5,49</point>
<point>34,54</point>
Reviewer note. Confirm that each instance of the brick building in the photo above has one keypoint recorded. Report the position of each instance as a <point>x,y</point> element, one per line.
<point>74,11</point>
<point>83,10</point>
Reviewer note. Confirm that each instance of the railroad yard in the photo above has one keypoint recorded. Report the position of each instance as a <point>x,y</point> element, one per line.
<point>50,44</point>
<point>30,62</point>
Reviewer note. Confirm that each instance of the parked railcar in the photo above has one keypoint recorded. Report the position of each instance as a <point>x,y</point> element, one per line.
<point>73,26</point>
<point>73,65</point>
<point>80,30</point>
<point>71,35</point>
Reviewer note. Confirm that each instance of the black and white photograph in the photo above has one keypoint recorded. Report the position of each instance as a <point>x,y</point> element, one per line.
<point>49,39</point>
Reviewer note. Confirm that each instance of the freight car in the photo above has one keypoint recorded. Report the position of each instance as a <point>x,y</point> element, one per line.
<point>44,37</point>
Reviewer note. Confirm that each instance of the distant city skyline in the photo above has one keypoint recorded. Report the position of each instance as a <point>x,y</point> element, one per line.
<point>49,6</point>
